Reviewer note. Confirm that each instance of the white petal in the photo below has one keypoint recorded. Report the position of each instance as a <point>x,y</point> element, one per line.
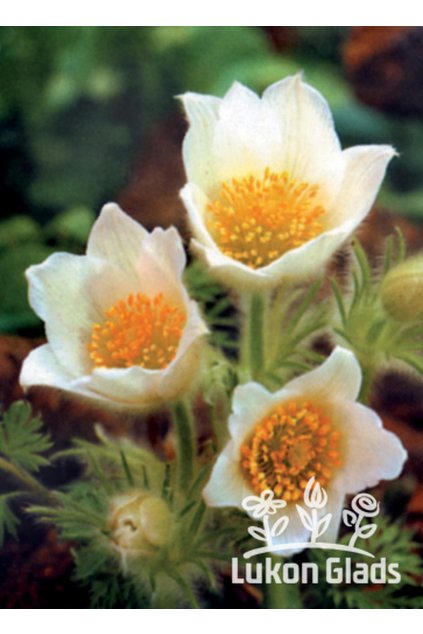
<point>226,486</point>
<point>70,293</point>
<point>339,377</point>
<point>309,145</point>
<point>41,367</point>
<point>161,264</point>
<point>182,372</point>
<point>131,387</point>
<point>250,403</point>
<point>230,272</point>
<point>295,532</point>
<point>300,263</point>
<point>117,238</point>
<point>245,136</point>
<point>334,505</point>
<point>195,202</point>
<point>365,167</point>
<point>370,453</point>
<point>202,112</point>
<point>301,107</point>
<point>309,259</point>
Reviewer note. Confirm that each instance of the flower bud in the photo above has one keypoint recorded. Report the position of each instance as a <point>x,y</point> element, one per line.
<point>402,290</point>
<point>140,523</point>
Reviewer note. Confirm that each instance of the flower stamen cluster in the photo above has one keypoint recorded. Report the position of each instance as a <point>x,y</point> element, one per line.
<point>137,331</point>
<point>294,443</point>
<point>256,220</point>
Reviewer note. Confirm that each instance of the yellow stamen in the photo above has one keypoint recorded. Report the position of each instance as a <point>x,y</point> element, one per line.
<point>256,220</point>
<point>137,331</point>
<point>295,442</point>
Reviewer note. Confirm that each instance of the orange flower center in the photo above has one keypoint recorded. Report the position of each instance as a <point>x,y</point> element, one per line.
<point>256,220</point>
<point>289,446</point>
<point>137,331</point>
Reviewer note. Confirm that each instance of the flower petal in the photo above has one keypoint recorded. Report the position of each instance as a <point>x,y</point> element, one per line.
<point>294,533</point>
<point>41,367</point>
<point>250,404</point>
<point>226,486</point>
<point>202,112</point>
<point>339,377</point>
<point>195,202</point>
<point>160,265</point>
<point>365,167</point>
<point>334,505</point>
<point>245,135</point>
<point>309,259</point>
<point>309,147</point>
<point>370,452</point>
<point>117,238</point>
<point>70,293</point>
<point>299,263</point>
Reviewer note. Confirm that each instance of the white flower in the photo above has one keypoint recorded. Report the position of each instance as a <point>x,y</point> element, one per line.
<point>312,427</point>
<point>119,323</point>
<point>270,193</point>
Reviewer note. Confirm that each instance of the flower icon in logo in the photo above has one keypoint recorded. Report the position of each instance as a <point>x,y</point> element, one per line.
<point>264,504</point>
<point>365,504</point>
<point>314,496</point>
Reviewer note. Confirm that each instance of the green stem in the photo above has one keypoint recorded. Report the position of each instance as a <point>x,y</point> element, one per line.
<point>253,344</point>
<point>282,596</point>
<point>185,441</point>
<point>368,374</point>
<point>24,477</point>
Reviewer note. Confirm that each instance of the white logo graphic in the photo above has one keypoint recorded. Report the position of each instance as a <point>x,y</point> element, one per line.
<point>313,518</point>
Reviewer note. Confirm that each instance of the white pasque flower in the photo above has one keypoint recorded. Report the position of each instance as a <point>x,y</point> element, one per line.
<point>312,427</point>
<point>119,323</point>
<point>271,194</point>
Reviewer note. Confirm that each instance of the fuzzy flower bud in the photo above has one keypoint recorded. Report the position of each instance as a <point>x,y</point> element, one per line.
<point>402,290</point>
<point>140,523</point>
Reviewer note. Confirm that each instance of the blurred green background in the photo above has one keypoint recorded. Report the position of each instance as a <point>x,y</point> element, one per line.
<point>84,111</point>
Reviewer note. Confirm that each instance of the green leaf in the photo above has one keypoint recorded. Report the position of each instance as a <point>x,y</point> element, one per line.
<point>14,310</point>
<point>21,440</point>
<point>8,520</point>
<point>363,263</point>
<point>339,301</point>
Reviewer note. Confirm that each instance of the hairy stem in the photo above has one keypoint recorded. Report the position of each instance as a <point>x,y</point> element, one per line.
<point>24,477</point>
<point>282,596</point>
<point>185,442</point>
<point>253,344</point>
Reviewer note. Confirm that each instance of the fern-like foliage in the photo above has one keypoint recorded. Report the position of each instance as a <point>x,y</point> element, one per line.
<point>217,308</point>
<point>393,542</point>
<point>21,439</point>
<point>294,320</point>
<point>9,522</point>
